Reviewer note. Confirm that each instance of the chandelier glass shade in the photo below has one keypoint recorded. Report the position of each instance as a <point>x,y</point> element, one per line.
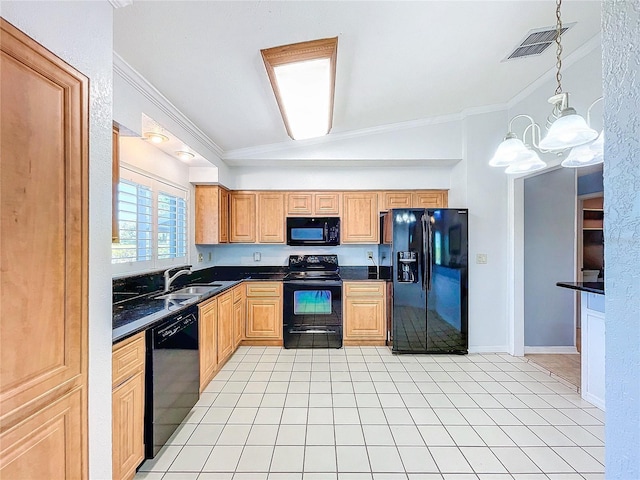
<point>568,131</point>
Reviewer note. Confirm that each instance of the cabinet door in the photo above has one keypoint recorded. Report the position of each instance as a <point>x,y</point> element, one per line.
<point>223,215</point>
<point>395,200</point>
<point>212,214</point>
<point>243,218</point>
<point>128,427</point>
<point>364,318</point>
<point>115,179</point>
<point>433,199</point>
<point>326,204</point>
<point>264,318</point>
<point>360,217</point>
<point>208,323</point>
<point>299,203</point>
<point>47,443</point>
<point>44,106</point>
<point>238,315</point>
<point>225,326</point>
<point>270,217</point>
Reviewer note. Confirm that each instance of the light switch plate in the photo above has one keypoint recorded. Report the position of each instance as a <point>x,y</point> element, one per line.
<point>481,258</point>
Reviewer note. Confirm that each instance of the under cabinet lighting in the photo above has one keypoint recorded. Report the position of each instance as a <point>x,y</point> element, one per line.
<point>302,76</point>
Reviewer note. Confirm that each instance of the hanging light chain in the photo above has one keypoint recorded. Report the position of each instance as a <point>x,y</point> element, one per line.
<point>558,47</point>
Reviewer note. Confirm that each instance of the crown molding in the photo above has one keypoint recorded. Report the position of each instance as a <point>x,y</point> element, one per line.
<point>151,93</point>
<point>120,3</point>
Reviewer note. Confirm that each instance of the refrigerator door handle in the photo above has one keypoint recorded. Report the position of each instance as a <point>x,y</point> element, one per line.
<point>426,252</point>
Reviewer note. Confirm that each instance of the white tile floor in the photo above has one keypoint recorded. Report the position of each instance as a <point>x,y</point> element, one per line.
<point>363,413</point>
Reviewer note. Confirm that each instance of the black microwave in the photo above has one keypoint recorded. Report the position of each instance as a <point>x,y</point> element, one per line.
<point>313,231</point>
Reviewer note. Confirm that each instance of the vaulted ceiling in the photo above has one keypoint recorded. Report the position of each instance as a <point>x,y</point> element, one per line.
<point>397,61</point>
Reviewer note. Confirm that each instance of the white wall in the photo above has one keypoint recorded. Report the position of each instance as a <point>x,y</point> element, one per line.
<point>549,257</point>
<point>340,178</point>
<point>81,34</point>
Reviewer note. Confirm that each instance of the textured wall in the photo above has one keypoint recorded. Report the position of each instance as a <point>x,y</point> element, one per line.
<point>621,81</point>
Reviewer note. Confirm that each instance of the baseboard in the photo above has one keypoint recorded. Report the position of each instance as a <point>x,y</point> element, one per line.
<point>598,402</point>
<point>488,349</point>
<point>571,350</point>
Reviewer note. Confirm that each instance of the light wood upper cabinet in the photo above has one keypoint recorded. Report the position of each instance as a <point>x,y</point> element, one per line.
<point>208,337</point>
<point>212,214</point>
<point>397,199</point>
<point>128,406</point>
<point>430,199</point>
<point>44,109</point>
<point>319,204</point>
<point>264,311</point>
<point>271,227</point>
<point>243,217</point>
<point>115,180</point>
<point>360,217</point>
<point>364,313</point>
<point>225,326</point>
<point>299,203</point>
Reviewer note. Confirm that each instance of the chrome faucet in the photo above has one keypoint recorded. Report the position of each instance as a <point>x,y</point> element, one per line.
<point>169,279</point>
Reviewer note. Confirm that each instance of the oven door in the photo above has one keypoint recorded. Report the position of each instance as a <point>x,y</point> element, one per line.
<point>312,316</point>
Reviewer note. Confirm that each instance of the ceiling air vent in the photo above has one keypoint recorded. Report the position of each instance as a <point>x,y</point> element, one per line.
<point>536,41</point>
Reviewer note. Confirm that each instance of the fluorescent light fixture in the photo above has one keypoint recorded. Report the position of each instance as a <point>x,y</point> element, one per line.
<point>155,137</point>
<point>302,76</point>
<point>184,155</point>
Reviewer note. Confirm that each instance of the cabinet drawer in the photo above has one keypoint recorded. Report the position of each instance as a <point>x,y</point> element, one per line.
<point>264,289</point>
<point>127,358</point>
<point>359,289</point>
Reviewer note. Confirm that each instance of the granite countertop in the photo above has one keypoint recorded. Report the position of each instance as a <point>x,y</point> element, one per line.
<point>142,311</point>
<point>591,287</point>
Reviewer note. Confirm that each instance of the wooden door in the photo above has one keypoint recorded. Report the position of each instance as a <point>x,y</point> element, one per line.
<point>271,217</point>
<point>225,326</point>
<point>326,204</point>
<point>243,218</point>
<point>299,203</point>
<point>208,324</point>
<point>128,427</point>
<point>360,217</point>
<point>43,233</point>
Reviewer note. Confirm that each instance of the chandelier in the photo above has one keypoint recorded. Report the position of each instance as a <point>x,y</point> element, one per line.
<point>565,129</point>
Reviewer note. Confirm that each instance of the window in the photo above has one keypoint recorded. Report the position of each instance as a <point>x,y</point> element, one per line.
<point>152,220</point>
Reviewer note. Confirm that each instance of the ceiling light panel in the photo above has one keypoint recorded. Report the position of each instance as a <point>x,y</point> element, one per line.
<point>302,76</point>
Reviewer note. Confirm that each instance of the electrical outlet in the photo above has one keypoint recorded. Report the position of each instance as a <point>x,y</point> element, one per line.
<point>209,256</point>
<point>481,258</point>
<point>370,255</point>
<point>200,257</point>
<point>257,256</point>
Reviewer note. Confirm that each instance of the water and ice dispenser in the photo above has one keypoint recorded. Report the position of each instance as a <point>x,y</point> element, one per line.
<point>407,267</point>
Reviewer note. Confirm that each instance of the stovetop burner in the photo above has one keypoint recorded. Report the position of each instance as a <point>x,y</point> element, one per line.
<point>313,267</point>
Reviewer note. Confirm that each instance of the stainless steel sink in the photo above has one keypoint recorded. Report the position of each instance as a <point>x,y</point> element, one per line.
<point>177,296</point>
<point>197,289</point>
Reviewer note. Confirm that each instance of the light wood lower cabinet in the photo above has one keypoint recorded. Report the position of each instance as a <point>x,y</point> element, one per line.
<point>208,333</point>
<point>364,313</point>
<point>128,406</point>
<point>239,315</point>
<point>225,327</point>
<point>264,312</point>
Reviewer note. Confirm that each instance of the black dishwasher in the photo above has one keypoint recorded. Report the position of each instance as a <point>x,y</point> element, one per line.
<point>172,376</point>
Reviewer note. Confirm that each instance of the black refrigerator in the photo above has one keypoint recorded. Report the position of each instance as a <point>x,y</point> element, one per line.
<point>427,252</point>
